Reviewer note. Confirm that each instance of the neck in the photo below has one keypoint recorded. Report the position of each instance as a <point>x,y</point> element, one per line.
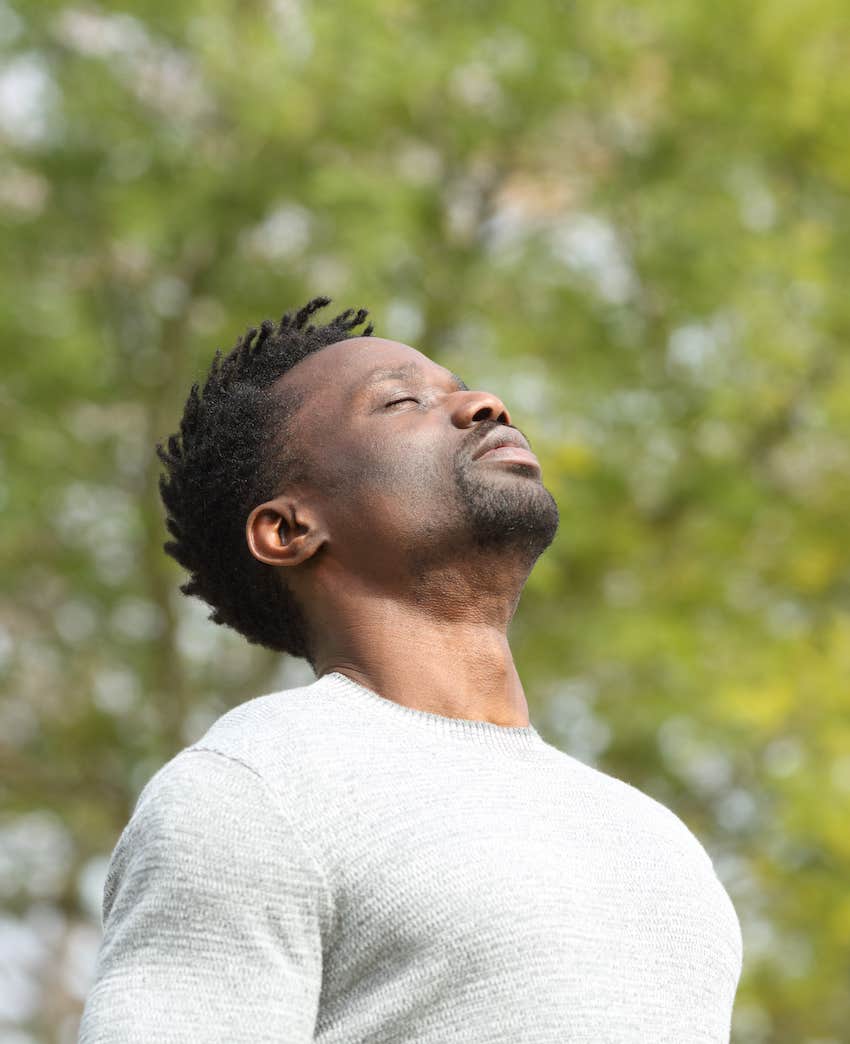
<point>446,654</point>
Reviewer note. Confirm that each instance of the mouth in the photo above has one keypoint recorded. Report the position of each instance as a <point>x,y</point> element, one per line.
<point>506,445</point>
<point>511,455</point>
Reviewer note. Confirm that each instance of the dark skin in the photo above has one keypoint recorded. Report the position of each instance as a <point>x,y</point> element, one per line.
<point>407,556</point>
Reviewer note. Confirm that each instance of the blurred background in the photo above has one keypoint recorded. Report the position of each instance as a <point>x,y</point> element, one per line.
<point>628,219</point>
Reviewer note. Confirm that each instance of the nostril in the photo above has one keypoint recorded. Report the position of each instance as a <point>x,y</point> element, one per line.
<point>486,413</point>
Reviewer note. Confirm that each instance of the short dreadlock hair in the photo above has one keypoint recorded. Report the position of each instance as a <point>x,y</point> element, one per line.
<point>235,450</point>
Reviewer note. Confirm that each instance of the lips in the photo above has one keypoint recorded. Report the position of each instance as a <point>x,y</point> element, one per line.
<point>513,453</point>
<point>508,445</point>
<point>496,439</point>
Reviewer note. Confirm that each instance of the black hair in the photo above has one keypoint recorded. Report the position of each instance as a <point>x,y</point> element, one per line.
<point>235,449</point>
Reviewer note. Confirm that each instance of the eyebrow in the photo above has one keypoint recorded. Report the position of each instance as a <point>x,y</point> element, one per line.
<point>383,373</point>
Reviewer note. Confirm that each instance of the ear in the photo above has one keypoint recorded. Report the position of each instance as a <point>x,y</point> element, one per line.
<point>283,533</point>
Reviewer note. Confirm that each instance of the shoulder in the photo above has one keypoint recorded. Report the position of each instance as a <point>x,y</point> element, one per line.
<point>270,732</point>
<point>642,815</point>
<point>190,783</point>
<point>205,822</point>
<point>194,807</point>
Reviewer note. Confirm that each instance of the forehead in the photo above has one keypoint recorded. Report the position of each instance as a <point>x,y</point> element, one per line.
<point>342,369</point>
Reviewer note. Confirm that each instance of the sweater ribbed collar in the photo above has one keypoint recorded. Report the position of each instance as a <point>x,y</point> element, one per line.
<point>507,739</point>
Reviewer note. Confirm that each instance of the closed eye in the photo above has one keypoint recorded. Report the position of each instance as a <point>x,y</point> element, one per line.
<point>395,402</point>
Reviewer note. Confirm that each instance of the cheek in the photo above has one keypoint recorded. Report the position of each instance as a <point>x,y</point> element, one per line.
<point>412,470</point>
<point>400,487</point>
<point>394,500</point>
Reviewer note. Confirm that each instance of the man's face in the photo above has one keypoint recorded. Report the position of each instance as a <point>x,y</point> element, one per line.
<point>391,438</point>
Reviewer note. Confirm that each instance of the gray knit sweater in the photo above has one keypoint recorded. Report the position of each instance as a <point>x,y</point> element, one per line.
<point>328,865</point>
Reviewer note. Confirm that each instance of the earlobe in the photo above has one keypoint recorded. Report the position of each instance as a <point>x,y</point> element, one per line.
<point>280,535</point>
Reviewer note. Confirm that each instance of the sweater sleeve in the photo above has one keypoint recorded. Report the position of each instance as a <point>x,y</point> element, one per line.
<point>212,913</point>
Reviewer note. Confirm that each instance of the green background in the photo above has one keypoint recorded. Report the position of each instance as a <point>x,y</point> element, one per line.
<point>629,220</point>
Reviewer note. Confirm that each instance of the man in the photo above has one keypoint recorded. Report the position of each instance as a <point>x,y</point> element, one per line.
<point>392,853</point>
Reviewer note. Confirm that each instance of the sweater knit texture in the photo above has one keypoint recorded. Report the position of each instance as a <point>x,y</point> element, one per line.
<point>328,865</point>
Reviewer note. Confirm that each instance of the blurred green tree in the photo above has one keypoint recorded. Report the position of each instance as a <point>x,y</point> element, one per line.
<point>630,220</point>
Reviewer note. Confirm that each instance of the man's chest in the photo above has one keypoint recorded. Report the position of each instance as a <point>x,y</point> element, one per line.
<point>499,879</point>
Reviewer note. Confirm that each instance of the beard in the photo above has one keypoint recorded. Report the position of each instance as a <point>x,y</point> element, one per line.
<point>512,512</point>
<point>495,514</point>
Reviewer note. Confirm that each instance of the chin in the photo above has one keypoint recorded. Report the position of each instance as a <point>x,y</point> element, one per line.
<point>522,515</point>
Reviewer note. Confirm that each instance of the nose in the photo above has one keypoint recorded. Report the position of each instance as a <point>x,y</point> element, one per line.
<point>477,406</point>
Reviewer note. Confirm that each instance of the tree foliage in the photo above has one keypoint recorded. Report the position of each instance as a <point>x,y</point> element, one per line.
<point>628,219</point>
